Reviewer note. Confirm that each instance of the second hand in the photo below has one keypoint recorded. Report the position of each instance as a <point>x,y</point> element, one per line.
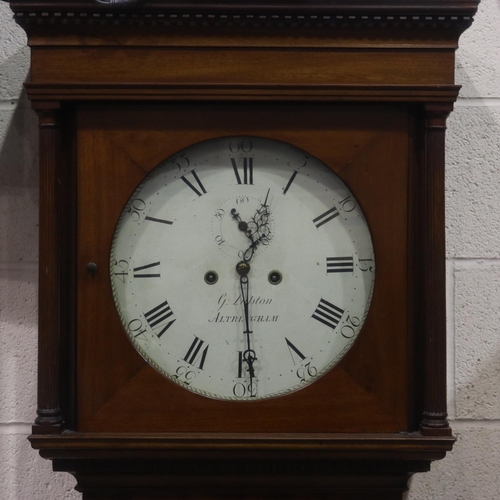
<point>249,354</point>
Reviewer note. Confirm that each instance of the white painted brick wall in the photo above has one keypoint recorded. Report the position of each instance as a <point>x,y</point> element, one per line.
<point>472,470</point>
<point>478,60</point>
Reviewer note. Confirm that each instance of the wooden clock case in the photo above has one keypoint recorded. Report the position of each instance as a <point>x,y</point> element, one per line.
<point>364,86</point>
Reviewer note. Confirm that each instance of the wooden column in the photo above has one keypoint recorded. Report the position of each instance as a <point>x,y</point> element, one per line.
<point>49,418</point>
<point>434,270</point>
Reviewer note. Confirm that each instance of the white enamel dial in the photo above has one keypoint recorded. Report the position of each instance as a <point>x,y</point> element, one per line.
<point>296,227</point>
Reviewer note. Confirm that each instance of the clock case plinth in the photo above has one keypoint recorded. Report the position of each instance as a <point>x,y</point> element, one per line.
<point>360,54</point>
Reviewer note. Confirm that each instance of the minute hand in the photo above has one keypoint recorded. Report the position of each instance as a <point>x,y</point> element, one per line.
<point>257,230</point>
<point>249,354</point>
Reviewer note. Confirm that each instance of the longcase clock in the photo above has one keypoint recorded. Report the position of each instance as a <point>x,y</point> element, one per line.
<point>242,262</point>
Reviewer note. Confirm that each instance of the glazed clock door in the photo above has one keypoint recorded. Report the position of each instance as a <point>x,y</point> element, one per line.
<point>242,268</point>
<point>236,268</point>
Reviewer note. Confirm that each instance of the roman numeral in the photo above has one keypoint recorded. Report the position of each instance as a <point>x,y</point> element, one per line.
<point>339,265</point>
<point>247,170</point>
<point>240,364</point>
<point>200,191</point>
<point>293,350</point>
<point>150,271</point>
<point>292,178</point>
<point>158,318</point>
<point>328,314</point>
<point>161,221</point>
<point>326,217</point>
<point>195,353</point>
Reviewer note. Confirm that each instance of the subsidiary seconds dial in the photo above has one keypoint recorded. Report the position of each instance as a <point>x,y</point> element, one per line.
<point>242,268</point>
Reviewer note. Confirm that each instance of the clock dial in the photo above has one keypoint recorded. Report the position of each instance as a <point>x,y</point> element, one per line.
<point>242,268</point>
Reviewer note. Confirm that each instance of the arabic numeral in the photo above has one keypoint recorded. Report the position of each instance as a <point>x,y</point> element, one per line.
<point>348,330</point>
<point>366,265</point>
<point>242,199</point>
<point>244,145</point>
<point>219,240</point>
<point>219,213</point>
<point>184,375</point>
<point>306,372</point>
<point>136,328</point>
<point>180,162</point>
<point>348,204</point>
<point>301,163</point>
<point>136,208</point>
<point>241,390</point>
<point>120,269</point>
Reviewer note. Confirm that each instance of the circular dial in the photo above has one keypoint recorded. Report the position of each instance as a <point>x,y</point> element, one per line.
<point>242,268</point>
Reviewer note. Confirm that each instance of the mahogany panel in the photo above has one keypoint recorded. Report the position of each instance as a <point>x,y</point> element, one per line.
<point>366,145</point>
<point>249,66</point>
<point>267,478</point>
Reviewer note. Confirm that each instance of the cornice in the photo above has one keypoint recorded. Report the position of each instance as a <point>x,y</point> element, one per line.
<point>216,92</point>
<point>335,14</point>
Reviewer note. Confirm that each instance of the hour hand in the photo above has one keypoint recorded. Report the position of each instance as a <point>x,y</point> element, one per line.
<point>249,357</point>
<point>249,354</point>
<point>242,225</point>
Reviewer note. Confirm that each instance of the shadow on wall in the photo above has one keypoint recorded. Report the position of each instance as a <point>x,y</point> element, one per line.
<point>18,175</point>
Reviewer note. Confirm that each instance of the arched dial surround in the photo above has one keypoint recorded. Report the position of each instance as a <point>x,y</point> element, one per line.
<point>284,215</point>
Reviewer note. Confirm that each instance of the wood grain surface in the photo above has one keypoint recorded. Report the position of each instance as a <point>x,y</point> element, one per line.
<point>366,145</point>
